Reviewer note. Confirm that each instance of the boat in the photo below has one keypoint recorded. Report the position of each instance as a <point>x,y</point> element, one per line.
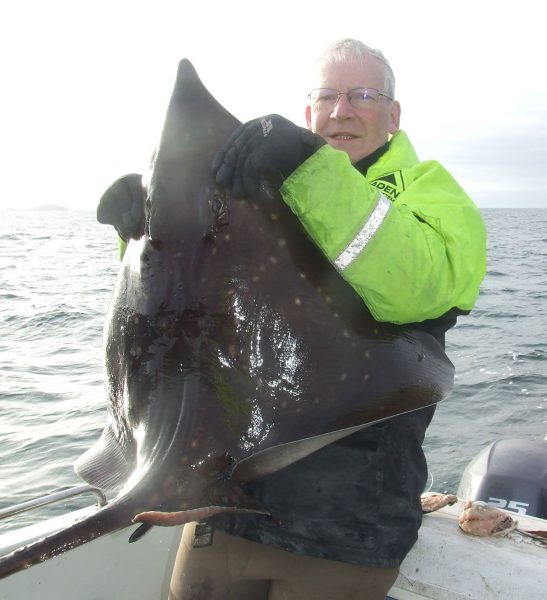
<point>445,563</point>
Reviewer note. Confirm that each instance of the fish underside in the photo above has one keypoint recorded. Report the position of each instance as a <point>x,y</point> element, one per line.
<point>232,347</point>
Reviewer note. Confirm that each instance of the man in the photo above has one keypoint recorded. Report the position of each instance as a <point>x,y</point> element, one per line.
<point>412,244</point>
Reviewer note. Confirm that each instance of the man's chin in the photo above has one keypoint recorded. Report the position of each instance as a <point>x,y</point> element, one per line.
<point>350,147</point>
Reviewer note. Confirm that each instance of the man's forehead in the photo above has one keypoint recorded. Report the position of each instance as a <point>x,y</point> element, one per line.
<point>364,72</point>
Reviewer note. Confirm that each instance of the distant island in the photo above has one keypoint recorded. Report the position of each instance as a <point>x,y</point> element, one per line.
<point>48,207</point>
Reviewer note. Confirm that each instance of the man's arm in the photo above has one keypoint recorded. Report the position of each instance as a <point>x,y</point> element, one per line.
<point>411,259</point>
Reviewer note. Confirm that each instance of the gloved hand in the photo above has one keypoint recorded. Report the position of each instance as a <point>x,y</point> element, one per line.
<point>122,205</point>
<point>264,146</point>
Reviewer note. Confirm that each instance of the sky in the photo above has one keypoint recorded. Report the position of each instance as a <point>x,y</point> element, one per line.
<point>85,85</point>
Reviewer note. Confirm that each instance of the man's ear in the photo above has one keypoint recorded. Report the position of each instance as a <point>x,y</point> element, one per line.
<point>395,117</point>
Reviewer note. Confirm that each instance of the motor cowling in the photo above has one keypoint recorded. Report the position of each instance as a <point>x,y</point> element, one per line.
<point>509,474</point>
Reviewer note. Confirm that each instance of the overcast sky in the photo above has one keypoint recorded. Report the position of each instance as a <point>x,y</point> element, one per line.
<point>85,85</point>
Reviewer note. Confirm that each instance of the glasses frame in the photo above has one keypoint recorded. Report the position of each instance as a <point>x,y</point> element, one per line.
<point>364,89</point>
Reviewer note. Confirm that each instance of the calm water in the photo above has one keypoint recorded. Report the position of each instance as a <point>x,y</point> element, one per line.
<point>57,270</point>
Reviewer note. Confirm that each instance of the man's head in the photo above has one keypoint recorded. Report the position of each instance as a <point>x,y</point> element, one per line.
<point>358,123</point>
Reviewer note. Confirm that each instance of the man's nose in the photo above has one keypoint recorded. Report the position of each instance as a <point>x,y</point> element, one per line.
<point>342,108</point>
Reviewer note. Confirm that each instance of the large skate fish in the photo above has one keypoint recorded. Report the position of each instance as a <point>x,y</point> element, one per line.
<point>232,347</point>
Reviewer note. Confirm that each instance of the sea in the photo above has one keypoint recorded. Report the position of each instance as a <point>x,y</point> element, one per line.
<point>57,272</point>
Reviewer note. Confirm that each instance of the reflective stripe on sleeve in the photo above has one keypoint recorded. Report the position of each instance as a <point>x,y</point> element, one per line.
<point>364,235</point>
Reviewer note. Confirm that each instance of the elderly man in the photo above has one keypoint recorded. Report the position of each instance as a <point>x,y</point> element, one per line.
<point>412,244</point>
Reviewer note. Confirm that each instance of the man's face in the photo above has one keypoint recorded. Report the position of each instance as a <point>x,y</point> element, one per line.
<point>359,132</point>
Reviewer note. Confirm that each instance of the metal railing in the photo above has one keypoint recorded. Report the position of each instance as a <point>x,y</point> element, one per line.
<point>78,490</point>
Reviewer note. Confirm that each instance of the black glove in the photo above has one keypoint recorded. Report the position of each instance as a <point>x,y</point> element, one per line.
<point>122,205</point>
<point>260,147</point>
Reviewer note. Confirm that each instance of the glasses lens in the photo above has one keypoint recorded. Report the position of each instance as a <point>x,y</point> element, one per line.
<point>323,98</point>
<point>363,97</point>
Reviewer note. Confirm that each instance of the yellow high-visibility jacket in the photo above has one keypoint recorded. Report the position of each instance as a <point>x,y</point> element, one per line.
<point>406,237</point>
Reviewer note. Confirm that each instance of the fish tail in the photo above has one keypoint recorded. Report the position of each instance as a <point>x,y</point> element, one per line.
<point>106,520</point>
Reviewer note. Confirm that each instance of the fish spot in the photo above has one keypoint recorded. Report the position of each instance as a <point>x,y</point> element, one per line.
<point>281,242</point>
<point>273,260</point>
<point>214,250</point>
<point>255,279</point>
<point>297,301</point>
<point>273,217</point>
<point>227,237</point>
<point>366,377</point>
<point>345,333</point>
<point>367,354</point>
<point>343,377</point>
<point>194,444</point>
<point>328,299</point>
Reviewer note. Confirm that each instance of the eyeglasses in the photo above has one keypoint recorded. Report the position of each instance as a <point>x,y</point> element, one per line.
<point>325,98</point>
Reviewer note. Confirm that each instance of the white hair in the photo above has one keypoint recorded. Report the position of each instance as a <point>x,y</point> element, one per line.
<point>350,50</point>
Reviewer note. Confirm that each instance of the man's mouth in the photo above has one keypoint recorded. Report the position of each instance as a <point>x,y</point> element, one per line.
<point>343,136</point>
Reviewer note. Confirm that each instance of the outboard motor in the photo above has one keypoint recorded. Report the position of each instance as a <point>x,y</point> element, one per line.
<point>509,474</point>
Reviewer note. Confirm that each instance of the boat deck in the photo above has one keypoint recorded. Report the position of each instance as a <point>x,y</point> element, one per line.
<point>445,564</point>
